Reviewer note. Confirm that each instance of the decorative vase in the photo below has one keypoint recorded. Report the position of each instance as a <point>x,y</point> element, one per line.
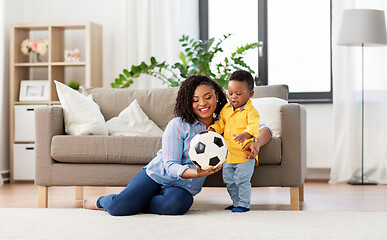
<point>35,57</point>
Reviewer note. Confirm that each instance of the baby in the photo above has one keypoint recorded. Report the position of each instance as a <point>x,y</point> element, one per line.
<point>239,123</point>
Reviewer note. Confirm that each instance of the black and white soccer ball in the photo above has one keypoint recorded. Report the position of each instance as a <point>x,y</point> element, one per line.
<point>208,149</point>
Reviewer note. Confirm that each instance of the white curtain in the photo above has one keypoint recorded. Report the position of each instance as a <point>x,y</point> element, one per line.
<point>152,28</point>
<point>347,76</point>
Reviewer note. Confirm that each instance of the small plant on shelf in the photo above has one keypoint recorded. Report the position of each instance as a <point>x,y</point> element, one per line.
<point>196,57</point>
<point>74,84</point>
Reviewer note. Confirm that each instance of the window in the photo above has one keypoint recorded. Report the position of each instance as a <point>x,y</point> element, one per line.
<point>240,20</point>
<point>296,36</point>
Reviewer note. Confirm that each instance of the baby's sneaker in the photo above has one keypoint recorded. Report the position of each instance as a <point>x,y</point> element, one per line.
<point>240,209</point>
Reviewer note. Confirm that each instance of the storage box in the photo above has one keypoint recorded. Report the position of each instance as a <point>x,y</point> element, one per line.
<point>23,161</point>
<point>25,123</point>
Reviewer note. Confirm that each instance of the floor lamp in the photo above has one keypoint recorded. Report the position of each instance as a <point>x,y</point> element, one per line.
<point>362,27</point>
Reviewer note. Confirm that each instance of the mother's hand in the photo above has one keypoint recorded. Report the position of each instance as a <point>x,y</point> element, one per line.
<point>198,172</point>
<point>211,170</point>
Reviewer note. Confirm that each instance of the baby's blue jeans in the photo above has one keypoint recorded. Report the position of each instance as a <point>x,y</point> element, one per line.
<point>145,195</point>
<point>237,178</point>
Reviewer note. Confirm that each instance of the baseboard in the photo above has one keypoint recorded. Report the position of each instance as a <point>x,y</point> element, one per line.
<point>318,174</point>
<point>311,174</point>
<point>5,175</point>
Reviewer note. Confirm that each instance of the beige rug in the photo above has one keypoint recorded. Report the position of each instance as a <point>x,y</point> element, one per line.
<point>88,224</point>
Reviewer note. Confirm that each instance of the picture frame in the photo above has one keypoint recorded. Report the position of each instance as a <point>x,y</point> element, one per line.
<point>34,90</point>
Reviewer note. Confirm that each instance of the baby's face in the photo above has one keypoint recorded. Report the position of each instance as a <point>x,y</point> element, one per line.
<point>238,93</point>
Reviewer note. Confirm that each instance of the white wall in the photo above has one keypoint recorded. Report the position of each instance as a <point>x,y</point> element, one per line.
<point>104,12</point>
<point>98,11</point>
<point>108,13</point>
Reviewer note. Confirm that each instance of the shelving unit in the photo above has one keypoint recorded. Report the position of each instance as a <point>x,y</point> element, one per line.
<point>86,36</point>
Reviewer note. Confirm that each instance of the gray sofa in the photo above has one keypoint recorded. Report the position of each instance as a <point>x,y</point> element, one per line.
<point>65,160</point>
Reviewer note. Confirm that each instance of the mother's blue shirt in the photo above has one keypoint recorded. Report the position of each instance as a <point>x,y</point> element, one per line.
<point>173,159</point>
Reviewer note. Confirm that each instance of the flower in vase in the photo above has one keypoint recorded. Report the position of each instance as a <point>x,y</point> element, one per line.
<point>34,46</point>
<point>39,47</point>
<point>42,47</point>
<point>26,46</point>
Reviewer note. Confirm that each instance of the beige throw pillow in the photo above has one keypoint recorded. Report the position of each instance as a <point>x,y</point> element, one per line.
<point>132,121</point>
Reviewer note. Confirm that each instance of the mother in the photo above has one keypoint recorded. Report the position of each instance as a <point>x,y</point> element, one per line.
<point>169,182</point>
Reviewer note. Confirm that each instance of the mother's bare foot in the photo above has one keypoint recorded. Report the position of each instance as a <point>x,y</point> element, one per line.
<point>90,203</point>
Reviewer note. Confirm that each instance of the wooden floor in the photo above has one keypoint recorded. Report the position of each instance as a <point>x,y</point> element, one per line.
<point>319,196</point>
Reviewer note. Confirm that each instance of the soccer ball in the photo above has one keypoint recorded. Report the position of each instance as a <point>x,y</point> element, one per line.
<point>208,149</point>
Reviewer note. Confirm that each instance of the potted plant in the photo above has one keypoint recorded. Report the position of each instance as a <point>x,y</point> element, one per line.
<point>195,58</point>
<point>74,84</point>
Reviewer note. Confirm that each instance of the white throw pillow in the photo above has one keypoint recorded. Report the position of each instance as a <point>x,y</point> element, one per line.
<point>82,115</point>
<point>269,112</point>
<point>132,121</point>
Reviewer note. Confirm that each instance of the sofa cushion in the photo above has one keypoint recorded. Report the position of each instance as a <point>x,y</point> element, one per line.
<point>157,104</point>
<point>129,150</point>
<point>104,149</point>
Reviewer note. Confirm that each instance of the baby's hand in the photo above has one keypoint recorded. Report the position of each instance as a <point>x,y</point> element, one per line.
<point>210,129</point>
<point>241,137</point>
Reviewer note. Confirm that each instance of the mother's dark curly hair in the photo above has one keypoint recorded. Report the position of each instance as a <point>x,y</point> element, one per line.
<point>183,107</point>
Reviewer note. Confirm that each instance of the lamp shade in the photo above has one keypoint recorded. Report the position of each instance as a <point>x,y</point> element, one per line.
<point>363,26</point>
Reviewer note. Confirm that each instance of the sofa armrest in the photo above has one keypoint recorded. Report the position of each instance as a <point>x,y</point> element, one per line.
<point>48,123</point>
<point>293,137</point>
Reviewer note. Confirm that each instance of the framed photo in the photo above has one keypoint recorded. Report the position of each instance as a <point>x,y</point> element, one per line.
<point>34,90</point>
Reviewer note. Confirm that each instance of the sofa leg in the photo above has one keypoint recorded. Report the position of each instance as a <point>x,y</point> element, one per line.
<point>294,198</point>
<point>78,193</point>
<point>302,192</point>
<point>42,197</point>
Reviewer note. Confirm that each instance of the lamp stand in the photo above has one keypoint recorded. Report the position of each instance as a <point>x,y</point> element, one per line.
<point>362,125</point>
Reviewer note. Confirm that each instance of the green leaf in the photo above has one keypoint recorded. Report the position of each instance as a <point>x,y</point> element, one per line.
<point>182,57</point>
<point>153,60</point>
<point>174,84</point>
<point>143,66</point>
<point>127,73</point>
<point>118,81</point>
<point>122,78</point>
<point>133,69</point>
